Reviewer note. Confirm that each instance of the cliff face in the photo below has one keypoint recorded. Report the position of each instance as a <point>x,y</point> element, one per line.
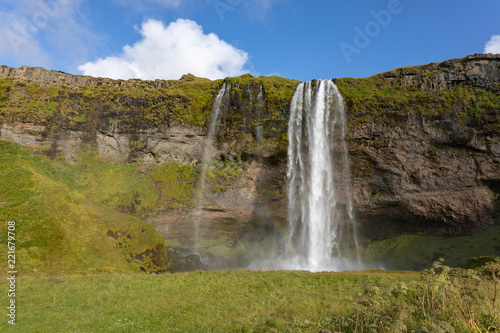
<point>425,143</point>
<point>424,146</point>
<point>45,78</point>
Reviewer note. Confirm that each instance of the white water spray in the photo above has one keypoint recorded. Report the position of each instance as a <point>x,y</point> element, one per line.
<point>320,209</point>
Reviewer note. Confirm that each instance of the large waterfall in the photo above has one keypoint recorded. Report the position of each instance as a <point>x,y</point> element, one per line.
<point>322,235</point>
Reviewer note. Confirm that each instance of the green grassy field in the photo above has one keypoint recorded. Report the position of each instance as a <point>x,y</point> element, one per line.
<point>220,301</point>
<point>253,301</point>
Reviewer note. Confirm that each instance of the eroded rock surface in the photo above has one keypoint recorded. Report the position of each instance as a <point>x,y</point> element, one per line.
<point>415,169</point>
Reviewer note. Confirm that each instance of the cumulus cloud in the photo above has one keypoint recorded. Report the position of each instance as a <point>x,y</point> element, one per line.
<point>168,52</point>
<point>493,45</point>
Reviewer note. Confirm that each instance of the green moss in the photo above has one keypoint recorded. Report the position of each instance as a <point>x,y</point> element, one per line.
<point>372,99</point>
<point>414,177</point>
<point>270,118</point>
<point>175,184</point>
<point>185,101</point>
<point>219,188</point>
<point>59,229</point>
<point>273,193</point>
<point>227,252</point>
<point>375,196</point>
<point>431,154</point>
<point>416,252</point>
<point>475,263</point>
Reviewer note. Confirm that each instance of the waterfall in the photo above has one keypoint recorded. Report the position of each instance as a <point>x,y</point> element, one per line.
<point>259,131</point>
<point>219,102</point>
<point>320,208</point>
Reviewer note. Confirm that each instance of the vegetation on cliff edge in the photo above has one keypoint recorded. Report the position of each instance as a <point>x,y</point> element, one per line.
<point>140,106</point>
<point>375,100</point>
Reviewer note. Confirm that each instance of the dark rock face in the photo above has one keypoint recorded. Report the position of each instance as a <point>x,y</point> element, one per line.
<point>416,170</point>
<point>478,71</point>
<point>45,78</point>
<point>434,171</point>
<point>422,176</point>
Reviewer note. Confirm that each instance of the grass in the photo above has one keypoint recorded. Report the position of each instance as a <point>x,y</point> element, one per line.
<point>371,100</point>
<point>453,300</point>
<point>217,301</point>
<point>415,252</point>
<point>60,229</point>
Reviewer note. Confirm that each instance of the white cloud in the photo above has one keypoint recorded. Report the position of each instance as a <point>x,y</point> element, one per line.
<point>493,45</point>
<point>43,32</point>
<point>168,52</point>
<point>18,39</point>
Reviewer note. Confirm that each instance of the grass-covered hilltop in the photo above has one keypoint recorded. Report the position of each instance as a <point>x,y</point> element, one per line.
<point>106,180</point>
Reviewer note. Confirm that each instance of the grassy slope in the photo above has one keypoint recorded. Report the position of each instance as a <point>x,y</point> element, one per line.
<point>60,230</point>
<point>126,187</point>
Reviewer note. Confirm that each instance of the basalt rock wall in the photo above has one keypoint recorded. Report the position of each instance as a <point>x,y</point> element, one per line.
<point>425,144</point>
<point>424,141</point>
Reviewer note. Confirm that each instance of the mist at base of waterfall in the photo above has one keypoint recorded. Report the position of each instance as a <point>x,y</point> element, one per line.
<point>321,221</point>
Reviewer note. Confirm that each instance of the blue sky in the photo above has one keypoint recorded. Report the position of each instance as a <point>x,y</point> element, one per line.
<point>303,40</point>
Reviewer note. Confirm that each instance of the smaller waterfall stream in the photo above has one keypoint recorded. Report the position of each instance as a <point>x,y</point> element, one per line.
<point>219,102</point>
<point>259,106</point>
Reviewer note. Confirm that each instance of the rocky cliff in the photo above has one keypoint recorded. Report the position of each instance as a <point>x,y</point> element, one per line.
<point>424,145</point>
<point>425,142</point>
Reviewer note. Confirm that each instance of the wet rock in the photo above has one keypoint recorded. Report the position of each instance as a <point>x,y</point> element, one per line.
<point>432,173</point>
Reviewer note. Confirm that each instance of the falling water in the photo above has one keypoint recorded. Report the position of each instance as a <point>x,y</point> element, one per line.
<point>259,131</point>
<point>249,95</point>
<point>219,102</point>
<point>320,209</point>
